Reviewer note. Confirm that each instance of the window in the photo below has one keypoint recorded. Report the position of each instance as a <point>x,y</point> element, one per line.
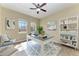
<point>22,25</point>
<point>33,26</point>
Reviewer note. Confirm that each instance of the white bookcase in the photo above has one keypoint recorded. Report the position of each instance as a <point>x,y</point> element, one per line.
<point>69,31</point>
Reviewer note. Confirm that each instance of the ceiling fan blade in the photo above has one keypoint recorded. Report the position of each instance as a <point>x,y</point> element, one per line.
<point>42,4</point>
<point>35,5</point>
<point>38,5</point>
<point>43,10</point>
<point>37,12</point>
<point>33,8</point>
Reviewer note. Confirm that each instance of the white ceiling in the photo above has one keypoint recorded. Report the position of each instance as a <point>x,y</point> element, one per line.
<point>24,8</point>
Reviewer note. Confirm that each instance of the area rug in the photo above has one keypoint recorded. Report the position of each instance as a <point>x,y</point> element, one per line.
<point>34,49</point>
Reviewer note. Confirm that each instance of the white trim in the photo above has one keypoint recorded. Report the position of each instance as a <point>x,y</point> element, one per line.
<point>22,32</point>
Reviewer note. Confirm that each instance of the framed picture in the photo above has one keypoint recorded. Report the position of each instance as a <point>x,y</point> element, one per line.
<point>51,25</point>
<point>10,23</point>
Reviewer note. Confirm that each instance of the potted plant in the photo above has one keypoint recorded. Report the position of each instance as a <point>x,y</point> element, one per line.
<point>40,30</point>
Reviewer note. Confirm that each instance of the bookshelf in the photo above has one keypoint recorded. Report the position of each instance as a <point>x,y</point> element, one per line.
<point>69,31</point>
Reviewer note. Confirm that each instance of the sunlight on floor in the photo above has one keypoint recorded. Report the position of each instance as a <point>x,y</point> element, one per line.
<point>23,45</point>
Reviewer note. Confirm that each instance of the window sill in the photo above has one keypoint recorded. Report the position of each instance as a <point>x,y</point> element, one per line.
<point>22,32</point>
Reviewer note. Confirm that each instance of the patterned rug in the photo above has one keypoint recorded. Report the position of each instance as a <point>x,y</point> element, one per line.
<point>34,49</point>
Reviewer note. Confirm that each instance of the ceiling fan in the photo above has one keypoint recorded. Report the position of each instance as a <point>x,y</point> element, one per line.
<point>38,7</point>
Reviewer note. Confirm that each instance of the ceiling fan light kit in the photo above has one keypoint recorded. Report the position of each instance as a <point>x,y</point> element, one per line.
<point>38,9</point>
